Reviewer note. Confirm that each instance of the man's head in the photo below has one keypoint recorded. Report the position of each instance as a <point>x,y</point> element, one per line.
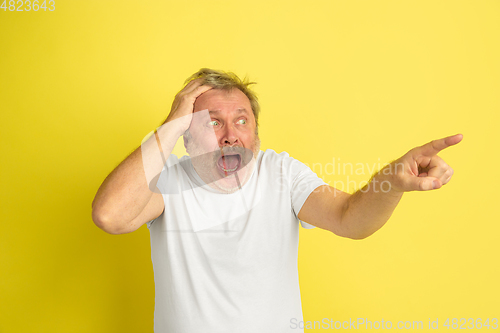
<point>223,142</point>
<point>227,81</point>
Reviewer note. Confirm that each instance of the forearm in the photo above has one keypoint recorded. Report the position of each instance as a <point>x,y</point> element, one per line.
<point>128,188</point>
<point>369,208</point>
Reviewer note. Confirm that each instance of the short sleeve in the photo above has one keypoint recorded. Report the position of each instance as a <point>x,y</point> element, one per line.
<point>302,182</point>
<point>162,183</point>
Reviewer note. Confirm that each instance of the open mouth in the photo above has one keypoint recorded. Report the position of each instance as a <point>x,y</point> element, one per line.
<point>229,163</point>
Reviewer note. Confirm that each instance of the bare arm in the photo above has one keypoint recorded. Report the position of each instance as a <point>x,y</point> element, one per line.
<point>353,216</point>
<point>359,215</point>
<point>128,197</point>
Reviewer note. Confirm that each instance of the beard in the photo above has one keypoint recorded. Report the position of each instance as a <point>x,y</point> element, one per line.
<point>225,169</point>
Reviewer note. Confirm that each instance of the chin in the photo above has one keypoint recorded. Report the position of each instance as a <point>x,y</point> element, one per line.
<point>218,167</point>
<point>229,183</point>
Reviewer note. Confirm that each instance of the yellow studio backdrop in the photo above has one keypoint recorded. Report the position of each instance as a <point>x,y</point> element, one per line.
<point>345,86</point>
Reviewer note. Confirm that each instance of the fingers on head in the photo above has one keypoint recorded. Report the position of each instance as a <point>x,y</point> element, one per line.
<point>190,96</point>
<point>190,87</point>
<point>201,89</point>
<point>192,84</point>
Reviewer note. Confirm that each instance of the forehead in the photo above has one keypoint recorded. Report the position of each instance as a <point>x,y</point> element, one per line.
<point>222,100</point>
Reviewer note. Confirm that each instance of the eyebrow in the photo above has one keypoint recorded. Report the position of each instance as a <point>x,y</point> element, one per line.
<point>239,110</point>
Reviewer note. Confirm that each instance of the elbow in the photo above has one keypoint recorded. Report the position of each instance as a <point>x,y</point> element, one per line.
<point>362,234</point>
<point>359,236</point>
<point>352,235</point>
<point>352,232</point>
<point>353,228</point>
<point>105,223</point>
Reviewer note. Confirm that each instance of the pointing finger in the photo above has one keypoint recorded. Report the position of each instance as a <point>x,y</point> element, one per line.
<point>435,146</point>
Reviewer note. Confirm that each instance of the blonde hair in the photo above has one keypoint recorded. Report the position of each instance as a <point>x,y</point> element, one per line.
<point>228,81</point>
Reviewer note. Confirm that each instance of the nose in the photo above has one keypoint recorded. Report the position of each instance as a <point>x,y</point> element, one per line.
<point>229,137</point>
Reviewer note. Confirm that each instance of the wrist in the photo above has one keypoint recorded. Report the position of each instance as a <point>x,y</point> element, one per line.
<point>169,129</point>
<point>386,181</point>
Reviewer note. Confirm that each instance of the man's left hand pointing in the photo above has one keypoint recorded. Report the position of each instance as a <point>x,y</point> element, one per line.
<point>421,169</point>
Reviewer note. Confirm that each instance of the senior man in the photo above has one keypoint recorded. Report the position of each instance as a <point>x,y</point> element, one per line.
<point>224,222</point>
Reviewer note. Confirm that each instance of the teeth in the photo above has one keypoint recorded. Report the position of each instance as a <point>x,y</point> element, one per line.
<point>230,170</point>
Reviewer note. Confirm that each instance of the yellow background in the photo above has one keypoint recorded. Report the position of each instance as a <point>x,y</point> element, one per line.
<point>350,81</point>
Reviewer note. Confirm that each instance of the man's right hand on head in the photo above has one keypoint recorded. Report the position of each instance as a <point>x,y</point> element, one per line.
<point>183,105</point>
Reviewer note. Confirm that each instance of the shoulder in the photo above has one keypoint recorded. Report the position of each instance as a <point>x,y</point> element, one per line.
<point>174,171</point>
<point>173,162</point>
<point>283,159</point>
<point>280,164</point>
<point>271,157</point>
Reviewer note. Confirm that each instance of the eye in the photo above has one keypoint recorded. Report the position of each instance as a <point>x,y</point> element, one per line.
<point>213,123</point>
<point>242,121</point>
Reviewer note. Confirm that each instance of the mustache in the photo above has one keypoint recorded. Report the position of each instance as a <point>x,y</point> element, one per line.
<point>245,154</point>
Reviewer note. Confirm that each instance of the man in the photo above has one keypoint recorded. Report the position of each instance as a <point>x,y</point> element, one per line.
<point>224,221</point>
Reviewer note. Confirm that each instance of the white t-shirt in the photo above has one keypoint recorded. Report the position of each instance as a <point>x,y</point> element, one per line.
<point>228,262</point>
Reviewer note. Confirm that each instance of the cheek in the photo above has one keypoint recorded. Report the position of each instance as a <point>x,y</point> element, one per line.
<point>208,140</point>
<point>249,136</point>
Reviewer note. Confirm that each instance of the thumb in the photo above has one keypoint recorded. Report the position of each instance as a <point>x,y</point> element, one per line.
<point>424,184</point>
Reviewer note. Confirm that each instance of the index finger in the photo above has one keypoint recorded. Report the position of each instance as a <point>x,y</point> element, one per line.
<point>196,92</point>
<point>435,146</point>
<point>192,85</point>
